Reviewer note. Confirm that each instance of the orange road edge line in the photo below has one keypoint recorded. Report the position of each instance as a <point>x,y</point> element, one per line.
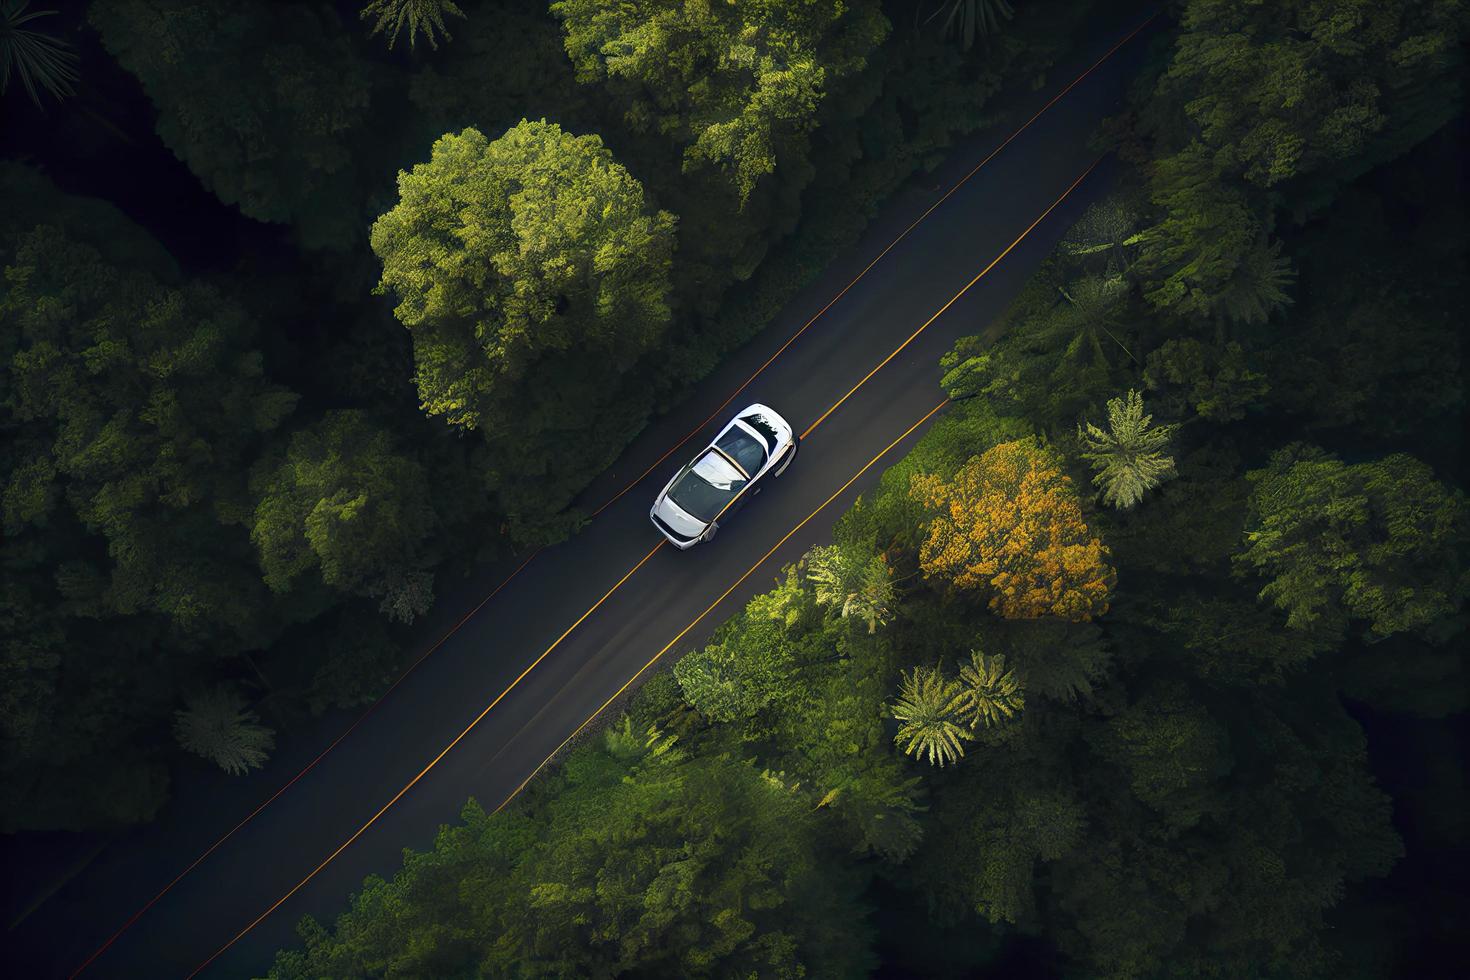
<point>294,779</point>
<point>789,534</point>
<point>956,298</point>
<point>427,769</point>
<point>866,269</point>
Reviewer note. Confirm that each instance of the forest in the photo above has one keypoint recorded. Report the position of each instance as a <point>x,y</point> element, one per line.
<point>1146,661</point>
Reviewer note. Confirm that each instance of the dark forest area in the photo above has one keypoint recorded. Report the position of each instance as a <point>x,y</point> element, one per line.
<point>1148,660</point>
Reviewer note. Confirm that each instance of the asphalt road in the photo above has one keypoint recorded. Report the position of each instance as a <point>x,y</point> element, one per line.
<point>670,602</point>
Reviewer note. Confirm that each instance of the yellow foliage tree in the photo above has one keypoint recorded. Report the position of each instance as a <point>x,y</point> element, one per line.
<point>1010,523</point>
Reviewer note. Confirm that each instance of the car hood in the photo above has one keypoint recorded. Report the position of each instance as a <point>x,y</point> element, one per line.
<point>675,517</point>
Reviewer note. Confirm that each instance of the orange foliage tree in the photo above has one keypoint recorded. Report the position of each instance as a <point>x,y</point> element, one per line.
<point>1010,523</point>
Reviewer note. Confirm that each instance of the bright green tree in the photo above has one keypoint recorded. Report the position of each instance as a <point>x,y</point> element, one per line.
<point>533,276</point>
<point>347,504</point>
<point>752,659</point>
<point>737,86</point>
<point>1128,455</point>
<point>856,585</point>
<point>644,861</point>
<point>1380,541</point>
<point>988,692</point>
<point>928,712</point>
<point>216,725</point>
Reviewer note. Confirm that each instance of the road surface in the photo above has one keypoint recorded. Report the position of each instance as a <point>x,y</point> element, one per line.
<point>643,599</point>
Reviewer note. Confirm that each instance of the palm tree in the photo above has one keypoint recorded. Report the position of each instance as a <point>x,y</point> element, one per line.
<point>989,692</point>
<point>1258,286</point>
<point>967,18</point>
<point>859,589</point>
<point>1128,456</point>
<point>418,15</point>
<point>1093,305</point>
<point>42,63</point>
<point>216,725</point>
<point>1106,228</point>
<point>929,726</point>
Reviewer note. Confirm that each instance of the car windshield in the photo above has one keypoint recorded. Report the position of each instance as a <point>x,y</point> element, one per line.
<point>706,486</point>
<point>744,448</point>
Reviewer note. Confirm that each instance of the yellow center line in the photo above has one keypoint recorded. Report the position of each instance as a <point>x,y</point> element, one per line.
<point>425,771</point>
<point>956,298</point>
<point>723,596</point>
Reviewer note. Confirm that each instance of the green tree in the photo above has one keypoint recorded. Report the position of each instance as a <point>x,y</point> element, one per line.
<point>1052,658</point>
<point>643,861</point>
<point>42,63</point>
<point>1274,103</point>
<point>1380,541</point>
<point>987,691</point>
<point>135,408</point>
<point>1173,751</point>
<point>737,86</point>
<point>216,725</point>
<point>1108,228</point>
<point>266,103</point>
<point>1217,383</point>
<point>345,503</point>
<point>1064,345</point>
<point>549,280</point>
<point>928,711</point>
<point>1128,455</point>
<point>392,16</point>
<point>856,585</point>
<point>752,659</point>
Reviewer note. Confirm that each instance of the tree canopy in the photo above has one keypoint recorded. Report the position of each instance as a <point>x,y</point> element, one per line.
<point>1010,525</point>
<point>265,103</point>
<point>532,275</point>
<point>645,861</point>
<point>1380,541</point>
<point>735,85</point>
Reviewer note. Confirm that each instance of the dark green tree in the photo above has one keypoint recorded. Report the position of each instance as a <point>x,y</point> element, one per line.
<point>346,504</point>
<point>216,725</point>
<point>266,103</point>
<point>427,16</point>
<point>39,61</point>
<point>130,409</point>
<point>1380,541</point>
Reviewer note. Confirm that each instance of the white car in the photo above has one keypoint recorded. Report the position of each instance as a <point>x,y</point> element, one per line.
<point>709,489</point>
